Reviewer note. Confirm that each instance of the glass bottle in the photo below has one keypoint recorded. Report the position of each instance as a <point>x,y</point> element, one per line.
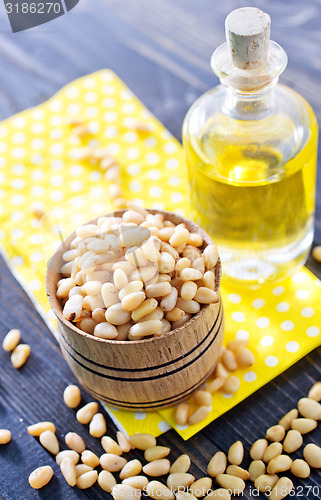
<point>251,151</point>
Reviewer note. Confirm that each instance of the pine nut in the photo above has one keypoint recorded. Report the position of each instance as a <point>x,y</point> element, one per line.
<point>210,256</point>
<point>68,470</point>
<point>40,427</point>
<point>180,237</point>
<point>180,322</point>
<point>215,385</point>
<point>181,464</point>
<point>91,287</point>
<point>85,414</point>
<point>179,480</point>
<point>165,233</point>
<point>75,442</point>
<point>72,396</point>
<point>316,253</point>
<point>120,278</point>
<point>169,301</point>
<point>257,468</point>
<point>287,420</point>
<point>266,482</point>
<point>158,289</point>
<point>73,455</point>
<point>191,252</point>
<point>157,467</point>
<point>125,492</point>
<point>112,462</point>
<point>312,455</point>
<point>90,458</point>
<point>181,264</point>
<point>279,464</point>
<point>304,425</point>
<point>106,480</point>
<point>156,452</point>
<point>145,328</point>
<point>188,306</point>
<point>133,216</point>
<point>162,278</point>
<point>220,493</point>
<point>199,415</point>
<point>110,446</point>
<point>300,468</point>
<point>166,327</point>
<point>209,279</point>
<point>132,468</point>
<point>228,360</point>
<point>128,268</point>
<point>49,441</point>
<point>315,392</point>
<point>11,340</point>
<point>202,398</point>
<point>20,355</point>
<point>195,239</point>
<point>64,288</point>
<point>158,313</point>
<point>182,413</point>
<point>87,480</point>
<point>175,314</point>
<point>158,491</point>
<point>236,453</point>
<point>231,384</point>
<point>282,489</point>
<point>132,287</point>
<point>147,307</point>
<point>138,482</point>
<point>116,315</point>
<point>272,451</point>
<point>166,263</point>
<point>87,325</point>
<point>81,469</point>
<point>123,442</point>
<point>235,345</point>
<point>235,470</point>
<point>258,449</point>
<point>97,426</point>
<point>150,249</point>
<point>221,371</point>
<point>244,357</point>
<point>234,484</point>
<point>40,477</point>
<point>190,274</point>
<point>275,433</point>
<point>105,330</point>
<point>309,408</point>
<point>142,441</point>
<point>217,464</point>
<point>206,296</point>
<point>109,294</point>
<point>133,300</point>
<point>184,495</point>
<point>5,436</point>
<point>293,441</point>
<point>188,290</point>
<point>201,487</point>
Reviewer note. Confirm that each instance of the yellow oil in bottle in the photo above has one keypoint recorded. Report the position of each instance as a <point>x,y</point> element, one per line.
<point>257,205</point>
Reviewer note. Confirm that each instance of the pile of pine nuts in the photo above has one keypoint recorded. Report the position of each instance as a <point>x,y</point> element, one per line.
<point>269,458</point>
<point>135,276</point>
<point>19,352</point>
<point>235,355</point>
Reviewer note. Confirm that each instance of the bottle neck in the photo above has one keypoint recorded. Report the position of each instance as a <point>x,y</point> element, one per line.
<point>249,105</point>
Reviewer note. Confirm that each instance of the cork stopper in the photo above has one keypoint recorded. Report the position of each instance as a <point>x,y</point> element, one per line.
<point>248,36</point>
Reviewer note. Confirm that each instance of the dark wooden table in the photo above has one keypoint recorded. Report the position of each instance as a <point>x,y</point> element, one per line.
<point>161,49</point>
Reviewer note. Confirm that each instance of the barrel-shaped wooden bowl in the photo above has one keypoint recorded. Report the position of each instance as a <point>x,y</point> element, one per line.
<point>142,375</point>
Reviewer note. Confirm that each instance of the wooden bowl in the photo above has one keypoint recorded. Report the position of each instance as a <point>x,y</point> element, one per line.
<point>148,374</point>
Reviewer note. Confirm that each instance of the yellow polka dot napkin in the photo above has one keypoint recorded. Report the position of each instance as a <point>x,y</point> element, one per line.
<point>40,170</point>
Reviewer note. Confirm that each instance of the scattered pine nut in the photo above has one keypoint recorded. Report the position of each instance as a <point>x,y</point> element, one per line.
<point>88,457</point>
<point>181,464</point>
<point>11,340</point>
<point>275,433</point>
<point>72,396</point>
<point>86,413</point>
<point>142,441</point>
<point>157,467</point>
<point>40,477</point>
<point>282,489</point>
<point>316,253</point>
<point>110,446</point>
<point>234,484</point>
<point>304,425</point>
<point>217,464</point>
<point>281,463</point>
<point>287,420</point>
<point>180,480</point>
<point>75,442</point>
<point>123,442</point>
<point>73,455</point>
<point>258,449</point>
<point>315,392</point>
<point>201,487</point>
<point>272,451</point>
<point>87,480</point>
<point>266,482</point>
<point>68,470</point>
<point>236,453</point>
<point>20,355</point>
<point>49,441</point>
<point>156,452</point>
<point>81,469</point>
<point>231,384</point>
<point>257,468</point>
<point>112,463</point>
<point>235,470</point>
<point>309,408</point>
<point>106,480</point>
<point>97,426</point>
<point>300,468</point>
<point>39,427</point>
<point>138,482</point>
<point>132,468</point>
<point>199,415</point>
<point>5,436</point>
<point>312,455</point>
<point>293,441</point>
